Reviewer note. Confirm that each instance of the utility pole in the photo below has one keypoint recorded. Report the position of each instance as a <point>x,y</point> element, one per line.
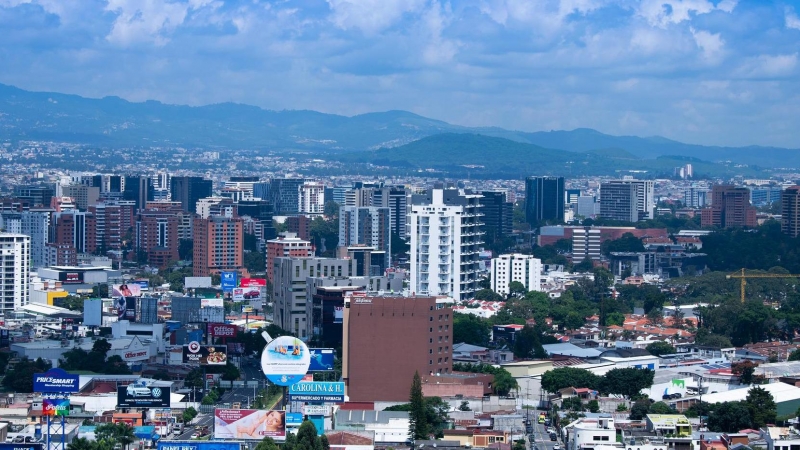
<point>700,388</point>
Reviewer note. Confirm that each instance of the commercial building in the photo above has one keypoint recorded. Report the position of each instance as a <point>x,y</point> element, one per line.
<point>108,222</point>
<point>35,195</point>
<point>218,245</point>
<point>285,194</point>
<point>34,223</point>
<point>15,257</point>
<point>139,190</point>
<point>289,290</point>
<point>544,200</point>
<point>790,211</point>
<point>299,225</point>
<point>387,339</point>
<point>311,198</point>
<point>730,207</point>
<point>157,237</point>
<point>286,245</point>
<point>446,235</point>
<point>627,200</point>
<point>497,214</point>
<point>70,228</point>
<point>765,195</point>
<point>84,196</point>
<point>695,197</point>
<point>261,211</point>
<point>524,269</point>
<point>586,206</point>
<point>586,244</point>
<point>188,190</point>
<point>369,226</point>
<point>215,206</point>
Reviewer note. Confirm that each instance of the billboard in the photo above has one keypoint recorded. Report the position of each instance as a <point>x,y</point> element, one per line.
<point>338,314</point>
<point>93,312</point>
<point>321,359</point>
<point>222,330</point>
<point>206,355</point>
<point>317,391</point>
<point>211,302</point>
<point>249,424</point>
<point>72,278</point>
<point>197,445</point>
<point>55,407</point>
<point>246,293</point>
<point>138,396</point>
<point>56,380</point>
<point>126,290</point>
<point>139,354</point>
<point>285,360</point>
<point>143,284</point>
<point>196,282</point>
<point>317,410</point>
<point>26,446</point>
<point>293,422</point>
<point>126,308</point>
<point>253,282</point>
<point>228,281</point>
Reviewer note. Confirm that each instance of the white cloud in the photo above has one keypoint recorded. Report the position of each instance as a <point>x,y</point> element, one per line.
<point>710,44</point>
<point>661,13</point>
<point>371,16</point>
<point>768,66</point>
<point>149,20</point>
<point>792,21</point>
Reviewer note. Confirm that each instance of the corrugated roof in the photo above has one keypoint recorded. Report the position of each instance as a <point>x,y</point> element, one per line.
<point>364,416</point>
<point>568,349</point>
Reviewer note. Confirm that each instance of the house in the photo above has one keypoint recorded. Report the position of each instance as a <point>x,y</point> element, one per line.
<point>669,424</point>
<point>476,438</point>
<point>781,438</point>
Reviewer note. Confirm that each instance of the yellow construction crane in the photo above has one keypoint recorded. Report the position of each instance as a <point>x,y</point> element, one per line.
<point>743,277</point>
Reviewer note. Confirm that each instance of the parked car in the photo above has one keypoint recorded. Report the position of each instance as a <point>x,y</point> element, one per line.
<point>676,395</point>
<point>556,447</point>
<point>553,437</point>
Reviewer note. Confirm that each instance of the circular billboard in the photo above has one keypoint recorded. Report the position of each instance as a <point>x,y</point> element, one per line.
<point>285,360</point>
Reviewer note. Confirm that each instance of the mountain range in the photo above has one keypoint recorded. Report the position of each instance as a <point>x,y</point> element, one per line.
<point>395,137</point>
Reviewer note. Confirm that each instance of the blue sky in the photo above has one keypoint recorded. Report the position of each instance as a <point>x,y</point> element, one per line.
<point>705,71</point>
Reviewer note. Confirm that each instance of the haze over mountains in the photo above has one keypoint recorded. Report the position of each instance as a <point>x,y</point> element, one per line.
<point>114,122</point>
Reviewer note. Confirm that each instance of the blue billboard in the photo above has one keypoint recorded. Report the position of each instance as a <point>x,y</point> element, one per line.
<point>317,391</point>
<point>56,380</point>
<point>321,359</point>
<point>195,445</point>
<point>25,446</point>
<point>228,281</point>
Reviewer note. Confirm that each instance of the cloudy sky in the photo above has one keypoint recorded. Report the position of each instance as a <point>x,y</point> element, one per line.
<point>705,71</point>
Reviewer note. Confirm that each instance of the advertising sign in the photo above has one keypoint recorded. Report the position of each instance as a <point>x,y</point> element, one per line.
<point>55,407</point>
<point>73,278</point>
<point>293,422</point>
<point>285,360</point>
<point>140,354</point>
<point>138,396</point>
<point>321,359</point>
<point>317,391</point>
<point>222,330</point>
<point>206,355</point>
<point>195,445</point>
<point>93,312</point>
<point>338,314</point>
<point>246,293</point>
<point>143,284</point>
<point>27,446</point>
<point>228,281</point>
<point>56,380</point>
<point>126,308</point>
<point>211,302</point>
<point>249,424</point>
<point>197,282</point>
<point>317,410</point>
<point>126,290</point>
<point>253,282</point>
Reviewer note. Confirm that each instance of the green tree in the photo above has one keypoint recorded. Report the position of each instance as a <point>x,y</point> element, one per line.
<point>572,404</point>
<point>115,433</point>
<point>584,266</point>
<point>795,355</point>
<point>488,295</point>
<point>615,318</point>
<point>307,438</point>
<point>627,381</point>
<point>639,409</point>
<point>418,423</point>
<point>593,406</point>
<point>660,348</point>
<point>516,289</point>
<point>661,408</point>
<point>729,417</point>
<point>626,243</point>
<point>464,406</point>
<point>762,407</point>
<point>267,444</point>
<point>189,414</point>
<point>503,382</point>
<point>745,370</point>
<point>20,378</point>
<point>563,377</point>
<point>79,443</point>
<point>471,329</point>
<point>255,261</point>
<point>528,344</point>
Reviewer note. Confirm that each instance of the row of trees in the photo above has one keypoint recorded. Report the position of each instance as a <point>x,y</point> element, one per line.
<point>757,410</point>
<point>96,360</point>
<point>627,382</point>
<point>106,437</point>
<point>502,384</point>
<point>427,415</point>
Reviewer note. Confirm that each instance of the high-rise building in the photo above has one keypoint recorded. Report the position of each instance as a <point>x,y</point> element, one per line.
<point>695,197</point>
<point>109,223</point>
<point>36,195</point>
<point>286,245</point>
<point>765,195</point>
<point>15,260</point>
<point>369,226</point>
<point>628,200</point>
<point>139,190</point>
<point>215,206</point>
<point>60,255</point>
<point>586,243</point>
<point>571,196</point>
<point>218,245</point>
<point>285,194</point>
<point>35,224</point>
<point>790,211</point>
<point>387,339</point>
<point>586,206</point>
<point>730,207</point>
<point>544,200</point>
<point>83,195</point>
<point>497,214</point>
<point>524,269</point>
<point>259,210</point>
<point>311,198</point>
<point>299,225</point>
<point>188,190</point>
<point>156,236</point>
<point>293,310</point>
<point>446,235</point>
<point>70,228</point>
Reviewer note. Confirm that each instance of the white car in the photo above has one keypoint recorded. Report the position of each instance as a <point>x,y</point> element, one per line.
<point>138,391</point>
<point>556,447</point>
<point>195,436</point>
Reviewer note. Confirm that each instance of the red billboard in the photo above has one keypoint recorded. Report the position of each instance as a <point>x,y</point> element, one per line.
<point>222,330</point>
<point>253,282</point>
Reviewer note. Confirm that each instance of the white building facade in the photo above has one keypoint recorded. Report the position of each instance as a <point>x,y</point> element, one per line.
<point>446,234</point>
<point>15,259</point>
<point>311,198</point>
<point>525,269</point>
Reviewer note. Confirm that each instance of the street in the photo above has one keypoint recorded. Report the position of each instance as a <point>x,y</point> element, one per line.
<point>541,436</point>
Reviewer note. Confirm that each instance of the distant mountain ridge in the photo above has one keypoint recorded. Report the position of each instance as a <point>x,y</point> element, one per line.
<point>115,122</point>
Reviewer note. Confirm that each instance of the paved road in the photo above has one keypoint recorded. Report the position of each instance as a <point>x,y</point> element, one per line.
<point>541,436</point>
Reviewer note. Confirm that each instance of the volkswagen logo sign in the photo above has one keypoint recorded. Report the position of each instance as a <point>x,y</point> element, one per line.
<point>156,392</point>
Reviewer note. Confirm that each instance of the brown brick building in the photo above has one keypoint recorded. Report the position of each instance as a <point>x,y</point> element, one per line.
<point>157,235</point>
<point>218,245</point>
<point>286,245</point>
<point>387,339</point>
<point>110,224</point>
<point>730,207</point>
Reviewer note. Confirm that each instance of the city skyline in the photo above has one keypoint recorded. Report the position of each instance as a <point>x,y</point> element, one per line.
<point>706,72</point>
